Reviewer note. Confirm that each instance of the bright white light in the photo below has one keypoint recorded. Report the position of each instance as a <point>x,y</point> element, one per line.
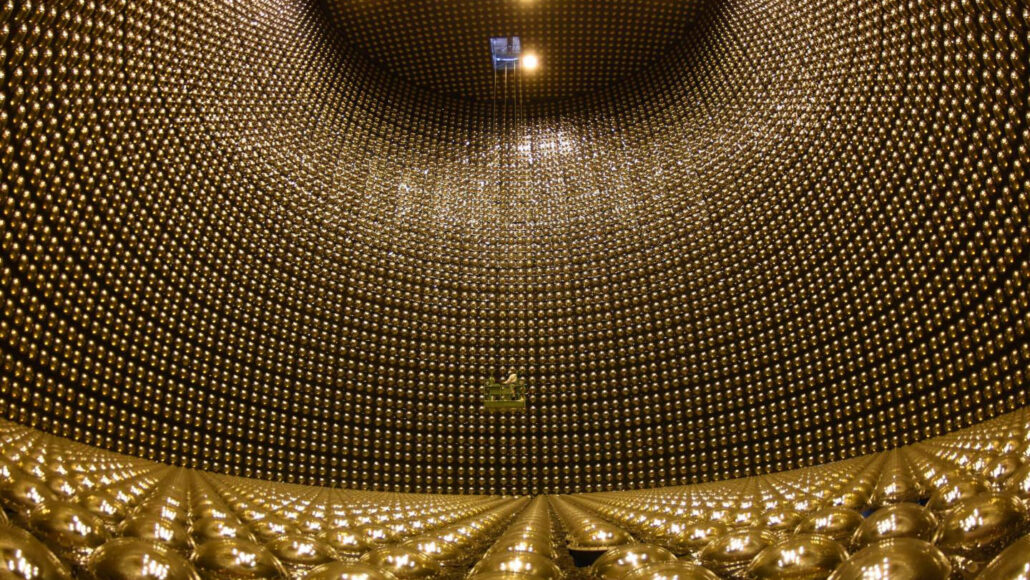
<point>530,61</point>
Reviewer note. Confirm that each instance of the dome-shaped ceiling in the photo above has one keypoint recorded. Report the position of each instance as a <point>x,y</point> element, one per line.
<point>584,45</point>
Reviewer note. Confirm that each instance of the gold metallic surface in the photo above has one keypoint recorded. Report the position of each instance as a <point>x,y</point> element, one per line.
<point>672,571</point>
<point>780,521</point>
<point>587,532</point>
<point>1019,483</point>
<point>69,530</point>
<point>616,563</point>
<point>691,538</point>
<point>209,528</point>
<point>346,542</point>
<point>979,528</point>
<point>230,559</point>
<point>895,485</point>
<point>951,493</point>
<point>134,559</point>
<point>526,547</point>
<point>730,554</point>
<point>896,559</point>
<point>158,530</point>
<point>902,520</point>
<point>523,563</point>
<point>23,556</point>
<point>436,548</point>
<point>166,509</point>
<point>802,557</point>
<point>298,552</point>
<point>838,523</point>
<point>104,505</point>
<point>1002,467</point>
<point>21,492</point>
<point>402,563</point>
<point>1013,563</point>
<point>537,543</point>
<point>346,571</point>
<point>270,526</point>
<point>597,536</point>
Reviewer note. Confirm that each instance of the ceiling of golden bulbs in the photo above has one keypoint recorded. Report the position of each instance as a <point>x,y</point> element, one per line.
<point>583,45</point>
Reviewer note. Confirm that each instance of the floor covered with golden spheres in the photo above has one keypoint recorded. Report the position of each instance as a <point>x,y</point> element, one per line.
<point>956,506</point>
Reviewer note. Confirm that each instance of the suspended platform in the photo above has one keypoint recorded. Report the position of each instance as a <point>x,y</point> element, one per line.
<point>504,397</point>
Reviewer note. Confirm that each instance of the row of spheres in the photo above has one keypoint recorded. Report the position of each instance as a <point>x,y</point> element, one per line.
<point>74,511</point>
<point>952,507</point>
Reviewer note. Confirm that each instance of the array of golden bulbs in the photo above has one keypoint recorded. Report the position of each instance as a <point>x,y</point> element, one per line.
<point>230,243</point>
<point>950,508</point>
